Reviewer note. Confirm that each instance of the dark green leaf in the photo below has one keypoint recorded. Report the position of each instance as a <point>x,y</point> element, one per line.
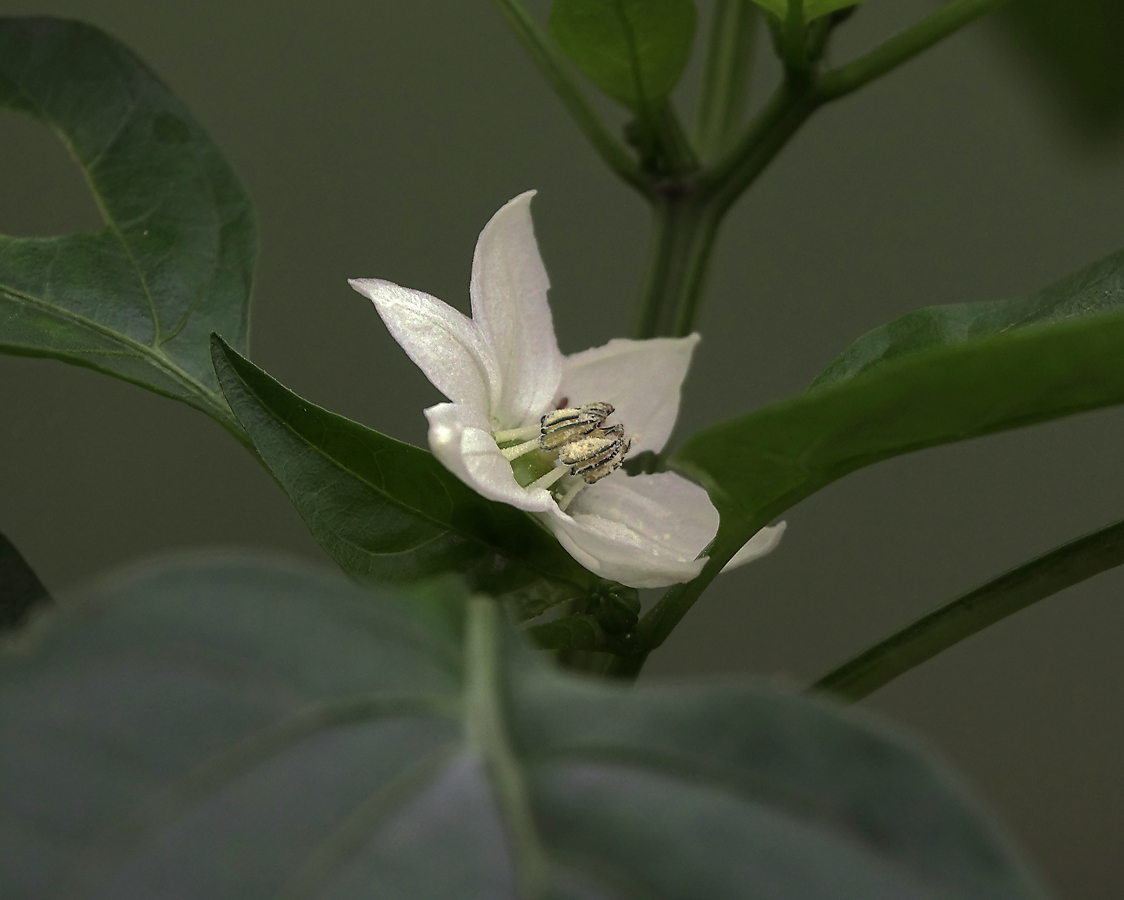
<point>760,464</point>
<point>244,732</point>
<point>1074,47</point>
<point>20,588</point>
<point>633,50</point>
<point>174,262</point>
<point>992,602</point>
<point>384,510</point>
<point>1096,289</point>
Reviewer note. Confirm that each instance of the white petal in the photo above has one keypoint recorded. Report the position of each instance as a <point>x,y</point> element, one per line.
<point>508,290</point>
<point>460,439</point>
<point>761,544</point>
<point>645,531</point>
<point>642,379</point>
<point>445,344</point>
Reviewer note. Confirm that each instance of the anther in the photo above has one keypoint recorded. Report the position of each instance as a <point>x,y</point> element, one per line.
<point>597,455</point>
<point>564,426</point>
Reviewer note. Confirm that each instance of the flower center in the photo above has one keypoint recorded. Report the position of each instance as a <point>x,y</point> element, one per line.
<point>567,450</point>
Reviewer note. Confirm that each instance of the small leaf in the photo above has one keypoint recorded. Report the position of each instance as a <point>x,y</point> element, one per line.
<point>139,298</point>
<point>244,731</point>
<point>813,9</point>
<point>1098,288</point>
<point>20,588</point>
<point>1074,47</point>
<point>633,50</point>
<point>758,465</point>
<point>384,510</point>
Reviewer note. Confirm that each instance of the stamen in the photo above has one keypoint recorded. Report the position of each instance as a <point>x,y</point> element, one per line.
<point>570,494</point>
<point>515,434</point>
<point>598,455</point>
<point>549,478</point>
<point>566,425</point>
<point>510,453</point>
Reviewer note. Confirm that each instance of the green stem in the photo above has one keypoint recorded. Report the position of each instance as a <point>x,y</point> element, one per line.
<point>903,47</point>
<point>726,76</point>
<point>682,242</point>
<point>1006,595</point>
<point>550,63</point>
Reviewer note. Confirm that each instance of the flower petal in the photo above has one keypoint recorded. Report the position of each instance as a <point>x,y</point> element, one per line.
<point>644,531</point>
<point>460,439</point>
<point>445,344</point>
<point>640,378</point>
<point>761,544</point>
<point>508,289</point>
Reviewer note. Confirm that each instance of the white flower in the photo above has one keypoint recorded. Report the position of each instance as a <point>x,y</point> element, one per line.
<point>504,373</point>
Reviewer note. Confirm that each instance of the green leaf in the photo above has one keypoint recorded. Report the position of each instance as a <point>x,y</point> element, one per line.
<point>974,611</point>
<point>758,465</point>
<point>1074,47</point>
<point>20,588</point>
<point>139,298</point>
<point>243,731</point>
<point>384,510</point>
<point>1096,289</point>
<point>633,50</point>
<point>813,9</point>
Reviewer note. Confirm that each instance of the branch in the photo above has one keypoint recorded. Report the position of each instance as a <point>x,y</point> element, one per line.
<point>550,63</point>
<point>903,47</point>
<point>1006,595</point>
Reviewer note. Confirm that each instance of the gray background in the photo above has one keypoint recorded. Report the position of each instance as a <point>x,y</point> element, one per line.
<point>376,138</point>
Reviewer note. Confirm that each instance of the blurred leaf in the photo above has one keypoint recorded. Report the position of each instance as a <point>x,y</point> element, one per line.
<point>20,588</point>
<point>1096,289</point>
<point>633,50</point>
<point>174,262</point>
<point>384,510</point>
<point>758,465</point>
<point>1076,45</point>
<point>813,9</point>
<point>237,731</point>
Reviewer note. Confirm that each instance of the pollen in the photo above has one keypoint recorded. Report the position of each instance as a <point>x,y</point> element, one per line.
<point>563,426</point>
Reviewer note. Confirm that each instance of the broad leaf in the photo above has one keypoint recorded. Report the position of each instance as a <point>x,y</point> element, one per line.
<point>384,510</point>
<point>1074,45</point>
<point>20,588</point>
<point>758,465</point>
<point>139,298</point>
<point>237,731</point>
<point>1096,289</point>
<point>813,9</point>
<point>633,50</point>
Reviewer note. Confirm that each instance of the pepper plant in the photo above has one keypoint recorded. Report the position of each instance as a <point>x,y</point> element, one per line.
<point>452,714</point>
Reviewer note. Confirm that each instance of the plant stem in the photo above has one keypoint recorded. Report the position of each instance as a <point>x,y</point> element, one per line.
<point>903,47</point>
<point>550,63</point>
<point>682,240</point>
<point>725,84</point>
<point>1006,595</point>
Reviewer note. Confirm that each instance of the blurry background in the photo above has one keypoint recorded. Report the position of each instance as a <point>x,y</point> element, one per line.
<point>376,139</point>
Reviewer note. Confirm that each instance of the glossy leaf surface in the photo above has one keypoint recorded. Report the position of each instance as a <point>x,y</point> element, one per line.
<point>139,298</point>
<point>249,731</point>
<point>633,50</point>
<point>760,464</point>
<point>385,510</point>
<point>1098,288</point>
<point>21,591</point>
